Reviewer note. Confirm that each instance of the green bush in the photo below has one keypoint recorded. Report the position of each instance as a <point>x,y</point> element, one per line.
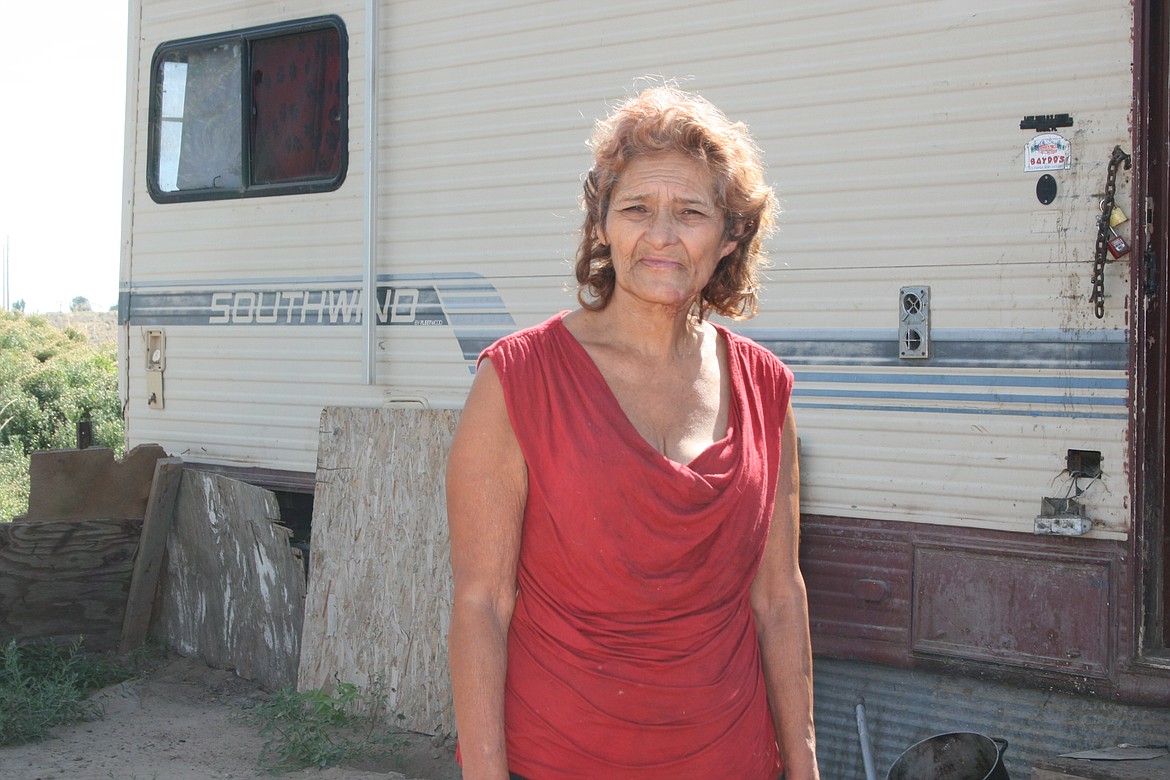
<point>46,685</point>
<point>13,482</point>
<point>318,728</point>
<point>50,379</point>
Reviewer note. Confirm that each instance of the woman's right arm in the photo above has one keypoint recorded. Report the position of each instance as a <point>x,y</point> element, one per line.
<point>487,485</point>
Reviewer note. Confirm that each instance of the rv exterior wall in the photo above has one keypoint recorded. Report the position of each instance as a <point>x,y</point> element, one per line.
<point>891,135</point>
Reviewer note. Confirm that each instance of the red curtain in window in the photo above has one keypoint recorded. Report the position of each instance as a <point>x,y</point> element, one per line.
<point>296,107</point>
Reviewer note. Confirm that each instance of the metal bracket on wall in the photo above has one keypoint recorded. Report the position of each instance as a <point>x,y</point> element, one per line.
<point>1062,517</point>
<point>1046,123</point>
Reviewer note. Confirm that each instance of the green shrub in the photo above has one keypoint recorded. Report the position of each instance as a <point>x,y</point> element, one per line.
<point>46,685</point>
<point>316,728</point>
<point>50,379</point>
<point>14,481</point>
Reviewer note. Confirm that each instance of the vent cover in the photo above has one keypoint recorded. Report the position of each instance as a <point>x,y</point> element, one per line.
<point>914,323</point>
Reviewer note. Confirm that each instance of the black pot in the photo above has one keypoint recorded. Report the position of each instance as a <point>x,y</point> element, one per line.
<point>957,756</point>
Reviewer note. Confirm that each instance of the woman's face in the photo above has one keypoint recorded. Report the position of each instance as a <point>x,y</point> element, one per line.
<point>664,230</point>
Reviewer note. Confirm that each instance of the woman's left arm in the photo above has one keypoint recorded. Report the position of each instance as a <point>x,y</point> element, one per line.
<point>780,605</point>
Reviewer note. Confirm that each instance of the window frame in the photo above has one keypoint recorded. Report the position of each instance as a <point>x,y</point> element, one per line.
<point>245,37</point>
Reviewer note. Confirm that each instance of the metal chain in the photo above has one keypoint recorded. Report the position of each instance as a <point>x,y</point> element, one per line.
<point>1101,252</point>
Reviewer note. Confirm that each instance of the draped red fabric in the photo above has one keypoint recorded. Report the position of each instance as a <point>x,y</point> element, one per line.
<point>632,651</point>
<point>296,104</point>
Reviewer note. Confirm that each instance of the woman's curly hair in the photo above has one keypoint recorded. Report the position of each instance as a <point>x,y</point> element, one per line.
<point>667,119</point>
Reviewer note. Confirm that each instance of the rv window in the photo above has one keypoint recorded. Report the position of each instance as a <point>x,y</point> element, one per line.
<point>253,112</point>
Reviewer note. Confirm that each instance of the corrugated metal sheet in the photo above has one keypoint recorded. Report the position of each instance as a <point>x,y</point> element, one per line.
<point>903,707</point>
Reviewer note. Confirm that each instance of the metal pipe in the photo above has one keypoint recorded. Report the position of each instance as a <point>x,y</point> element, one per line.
<point>866,748</point>
<point>370,276</point>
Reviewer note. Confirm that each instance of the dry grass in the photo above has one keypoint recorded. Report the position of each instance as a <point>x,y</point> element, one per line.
<point>100,327</point>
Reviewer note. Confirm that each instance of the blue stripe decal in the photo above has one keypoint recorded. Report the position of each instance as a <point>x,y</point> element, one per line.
<point>984,398</point>
<point>1001,359</point>
<point>1054,335</point>
<point>456,302</point>
<point>1070,414</point>
<point>1048,348</point>
<point>473,342</point>
<point>981,380</point>
<point>401,301</point>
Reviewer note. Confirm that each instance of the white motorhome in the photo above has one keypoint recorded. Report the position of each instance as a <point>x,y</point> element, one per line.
<point>334,203</point>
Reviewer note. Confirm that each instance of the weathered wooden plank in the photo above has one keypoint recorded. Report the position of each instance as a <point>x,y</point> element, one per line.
<point>1078,769</point>
<point>380,582</point>
<point>82,484</point>
<point>156,527</point>
<point>232,588</point>
<point>61,579</point>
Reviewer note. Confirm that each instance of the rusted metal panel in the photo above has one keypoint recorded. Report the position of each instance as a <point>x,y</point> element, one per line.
<point>1036,610</point>
<point>1036,600</point>
<point>859,589</point>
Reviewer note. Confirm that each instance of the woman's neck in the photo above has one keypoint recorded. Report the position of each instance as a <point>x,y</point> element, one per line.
<point>655,334</point>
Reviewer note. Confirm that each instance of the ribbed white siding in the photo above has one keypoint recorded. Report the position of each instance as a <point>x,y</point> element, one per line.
<point>237,396</point>
<point>891,131</point>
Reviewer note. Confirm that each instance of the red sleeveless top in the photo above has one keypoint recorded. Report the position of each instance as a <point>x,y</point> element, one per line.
<point>632,651</point>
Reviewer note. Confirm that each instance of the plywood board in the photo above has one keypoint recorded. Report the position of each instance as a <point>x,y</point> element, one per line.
<point>380,584</point>
<point>80,484</point>
<point>61,579</point>
<point>233,589</point>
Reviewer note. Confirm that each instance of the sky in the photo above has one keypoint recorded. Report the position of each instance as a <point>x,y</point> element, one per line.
<point>62,131</point>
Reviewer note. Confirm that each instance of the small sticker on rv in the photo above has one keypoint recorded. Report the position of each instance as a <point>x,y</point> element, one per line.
<point>1048,152</point>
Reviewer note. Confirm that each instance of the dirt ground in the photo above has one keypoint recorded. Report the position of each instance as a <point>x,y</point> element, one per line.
<point>181,722</point>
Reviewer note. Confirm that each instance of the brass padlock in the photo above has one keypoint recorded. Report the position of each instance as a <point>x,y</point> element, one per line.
<point>1118,246</point>
<point>1117,217</point>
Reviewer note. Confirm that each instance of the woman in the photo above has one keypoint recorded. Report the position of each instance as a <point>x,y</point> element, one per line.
<point>622,491</point>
